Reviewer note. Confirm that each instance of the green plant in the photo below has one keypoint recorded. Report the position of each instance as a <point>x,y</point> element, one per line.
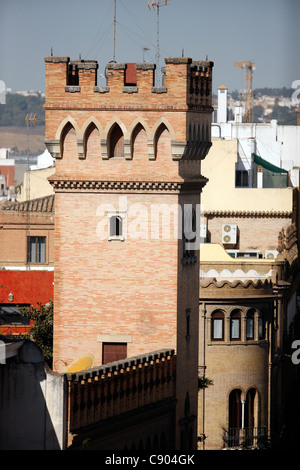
<point>204,382</point>
<point>41,332</point>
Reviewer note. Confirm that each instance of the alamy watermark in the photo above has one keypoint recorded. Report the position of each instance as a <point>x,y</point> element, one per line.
<point>155,221</point>
<point>296,354</point>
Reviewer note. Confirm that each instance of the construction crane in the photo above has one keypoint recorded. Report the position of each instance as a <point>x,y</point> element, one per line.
<point>249,67</point>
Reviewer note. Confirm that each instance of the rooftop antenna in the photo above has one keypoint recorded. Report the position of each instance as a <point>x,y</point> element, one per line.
<point>157,4</point>
<point>144,50</point>
<point>115,23</point>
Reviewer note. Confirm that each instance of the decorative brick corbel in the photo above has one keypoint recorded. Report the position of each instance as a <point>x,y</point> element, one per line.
<point>53,147</point>
<point>178,149</point>
<point>104,153</point>
<point>127,150</point>
<point>151,150</point>
<point>80,149</point>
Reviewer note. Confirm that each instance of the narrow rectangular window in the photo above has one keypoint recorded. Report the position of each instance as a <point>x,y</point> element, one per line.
<point>116,225</point>
<point>188,315</point>
<point>235,328</point>
<point>217,328</point>
<point>261,334</point>
<point>250,328</point>
<point>116,229</point>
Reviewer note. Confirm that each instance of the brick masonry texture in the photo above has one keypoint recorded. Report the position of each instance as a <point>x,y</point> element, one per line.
<point>138,288</point>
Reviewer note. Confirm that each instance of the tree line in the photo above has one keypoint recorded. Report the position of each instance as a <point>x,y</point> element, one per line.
<point>16,107</point>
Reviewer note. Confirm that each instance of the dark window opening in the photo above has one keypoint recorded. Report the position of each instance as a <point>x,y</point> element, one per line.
<point>36,249</point>
<point>116,226</point>
<point>241,178</point>
<point>10,315</point>
<point>73,76</point>
<point>116,148</point>
<point>261,328</point>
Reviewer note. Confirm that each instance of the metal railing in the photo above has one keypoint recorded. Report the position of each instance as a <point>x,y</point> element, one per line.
<point>255,437</point>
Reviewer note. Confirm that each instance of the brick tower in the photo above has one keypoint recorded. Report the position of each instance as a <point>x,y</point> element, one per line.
<point>128,173</point>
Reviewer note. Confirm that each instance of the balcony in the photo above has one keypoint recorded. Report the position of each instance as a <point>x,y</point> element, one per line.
<point>246,438</point>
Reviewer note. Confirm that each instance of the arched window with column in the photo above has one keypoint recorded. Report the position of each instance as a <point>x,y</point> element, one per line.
<point>250,324</point>
<point>235,409</point>
<point>235,325</point>
<point>235,417</point>
<point>217,326</point>
<point>250,416</point>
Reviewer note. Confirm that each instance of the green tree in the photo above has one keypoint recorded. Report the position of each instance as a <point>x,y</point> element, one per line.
<point>41,332</point>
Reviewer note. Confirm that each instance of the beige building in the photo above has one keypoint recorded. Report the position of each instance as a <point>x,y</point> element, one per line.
<point>248,290</point>
<point>35,184</point>
<point>256,215</point>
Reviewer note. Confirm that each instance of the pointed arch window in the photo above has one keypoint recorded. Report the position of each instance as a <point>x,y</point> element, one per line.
<point>162,141</point>
<point>116,142</point>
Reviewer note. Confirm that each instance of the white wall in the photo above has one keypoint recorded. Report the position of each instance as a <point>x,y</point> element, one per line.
<point>32,402</point>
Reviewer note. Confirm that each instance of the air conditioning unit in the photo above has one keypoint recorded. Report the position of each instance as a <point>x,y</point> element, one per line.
<point>271,254</point>
<point>229,234</point>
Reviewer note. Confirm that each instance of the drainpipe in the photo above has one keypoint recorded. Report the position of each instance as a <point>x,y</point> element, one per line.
<point>204,367</point>
<point>201,369</point>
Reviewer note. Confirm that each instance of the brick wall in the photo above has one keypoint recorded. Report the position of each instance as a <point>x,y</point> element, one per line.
<point>257,233</point>
<point>16,226</point>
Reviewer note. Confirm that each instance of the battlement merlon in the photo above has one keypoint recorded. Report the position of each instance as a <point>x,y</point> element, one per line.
<point>185,83</point>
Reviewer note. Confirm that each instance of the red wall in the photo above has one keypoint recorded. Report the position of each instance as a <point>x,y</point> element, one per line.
<point>9,172</point>
<point>27,287</point>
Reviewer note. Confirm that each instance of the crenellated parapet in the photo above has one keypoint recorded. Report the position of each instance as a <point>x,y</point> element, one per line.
<point>129,102</point>
<point>185,82</point>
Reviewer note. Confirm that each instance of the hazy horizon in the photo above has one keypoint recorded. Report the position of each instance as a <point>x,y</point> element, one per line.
<point>263,31</point>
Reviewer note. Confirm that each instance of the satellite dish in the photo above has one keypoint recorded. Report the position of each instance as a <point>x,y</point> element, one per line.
<point>83,362</point>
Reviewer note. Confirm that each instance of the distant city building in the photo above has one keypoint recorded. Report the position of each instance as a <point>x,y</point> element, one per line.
<point>275,148</point>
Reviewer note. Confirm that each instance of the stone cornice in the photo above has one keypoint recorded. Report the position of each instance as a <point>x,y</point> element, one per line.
<point>60,184</point>
<point>249,214</point>
<point>236,288</point>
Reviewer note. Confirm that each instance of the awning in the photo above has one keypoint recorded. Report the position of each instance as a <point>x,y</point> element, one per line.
<point>267,165</point>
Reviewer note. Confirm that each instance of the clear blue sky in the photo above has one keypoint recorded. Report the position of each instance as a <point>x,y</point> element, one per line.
<point>266,32</point>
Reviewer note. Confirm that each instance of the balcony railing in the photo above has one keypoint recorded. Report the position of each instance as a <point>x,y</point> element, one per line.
<point>245,438</point>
